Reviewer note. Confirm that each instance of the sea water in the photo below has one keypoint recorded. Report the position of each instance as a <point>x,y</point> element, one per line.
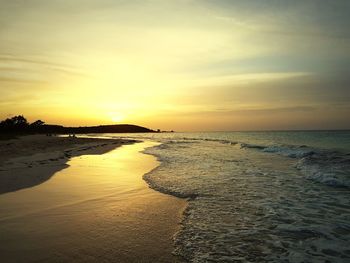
<point>258,196</point>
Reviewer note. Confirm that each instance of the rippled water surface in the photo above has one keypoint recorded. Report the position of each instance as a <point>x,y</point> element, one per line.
<point>258,197</point>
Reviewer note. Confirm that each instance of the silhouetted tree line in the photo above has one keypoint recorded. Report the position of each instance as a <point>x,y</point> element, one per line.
<point>20,125</point>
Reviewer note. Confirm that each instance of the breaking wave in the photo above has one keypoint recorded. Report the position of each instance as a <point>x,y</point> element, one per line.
<point>251,203</point>
<point>328,167</point>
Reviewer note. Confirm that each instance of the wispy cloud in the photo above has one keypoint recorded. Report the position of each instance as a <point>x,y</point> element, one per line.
<point>152,57</point>
<point>15,63</point>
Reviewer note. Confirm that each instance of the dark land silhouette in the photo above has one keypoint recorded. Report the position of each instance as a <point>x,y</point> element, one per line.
<point>20,125</point>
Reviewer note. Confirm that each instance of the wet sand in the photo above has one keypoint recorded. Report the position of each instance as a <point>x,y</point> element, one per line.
<point>98,209</point>
<point>43,156</point>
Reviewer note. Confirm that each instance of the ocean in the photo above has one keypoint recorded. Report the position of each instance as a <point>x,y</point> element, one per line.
<point>257,196</point>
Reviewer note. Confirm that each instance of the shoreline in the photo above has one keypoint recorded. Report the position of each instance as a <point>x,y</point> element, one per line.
<point>104,219</point>
<point>33,159</point>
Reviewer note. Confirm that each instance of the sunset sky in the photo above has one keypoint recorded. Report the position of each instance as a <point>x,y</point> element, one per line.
<point>186,65</point>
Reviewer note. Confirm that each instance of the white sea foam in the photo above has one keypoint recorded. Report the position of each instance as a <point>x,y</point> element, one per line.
<point>332,169</point>
<point>252,205</point>
<point>258,196</point>
<point>324,166</point>
<point>285,150</point>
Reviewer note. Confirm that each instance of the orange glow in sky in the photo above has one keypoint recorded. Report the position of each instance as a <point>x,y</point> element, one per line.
<point>177,65</point>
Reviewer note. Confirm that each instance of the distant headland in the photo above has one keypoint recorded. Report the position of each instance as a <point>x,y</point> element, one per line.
<point>20,125</point>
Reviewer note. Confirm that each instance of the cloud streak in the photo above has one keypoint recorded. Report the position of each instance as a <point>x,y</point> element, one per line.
<point>149,58</point>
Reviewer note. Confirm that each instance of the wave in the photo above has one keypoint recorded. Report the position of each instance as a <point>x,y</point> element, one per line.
<point>324,166</point>
<point>239,208</point>
<point>223,141</point>
<point>332,168</point>
<point>285,150</point>
<point>328,167</point>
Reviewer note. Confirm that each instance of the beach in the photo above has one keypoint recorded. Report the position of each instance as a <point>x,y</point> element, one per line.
<point>83,200</point>
<point>31,160</point>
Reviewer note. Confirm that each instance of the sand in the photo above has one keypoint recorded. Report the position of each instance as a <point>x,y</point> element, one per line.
<point>43,156</point>
<point>93,208</point>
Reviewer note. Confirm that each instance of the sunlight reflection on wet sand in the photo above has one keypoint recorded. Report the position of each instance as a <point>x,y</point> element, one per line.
<point>98,209</point>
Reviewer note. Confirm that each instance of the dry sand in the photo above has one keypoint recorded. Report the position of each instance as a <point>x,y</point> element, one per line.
<point>96,208</point>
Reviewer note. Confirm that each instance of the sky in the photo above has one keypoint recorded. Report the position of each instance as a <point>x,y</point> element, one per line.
<point>184,65</point>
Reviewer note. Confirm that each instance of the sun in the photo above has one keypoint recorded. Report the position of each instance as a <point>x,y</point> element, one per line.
<point>117,117</point>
